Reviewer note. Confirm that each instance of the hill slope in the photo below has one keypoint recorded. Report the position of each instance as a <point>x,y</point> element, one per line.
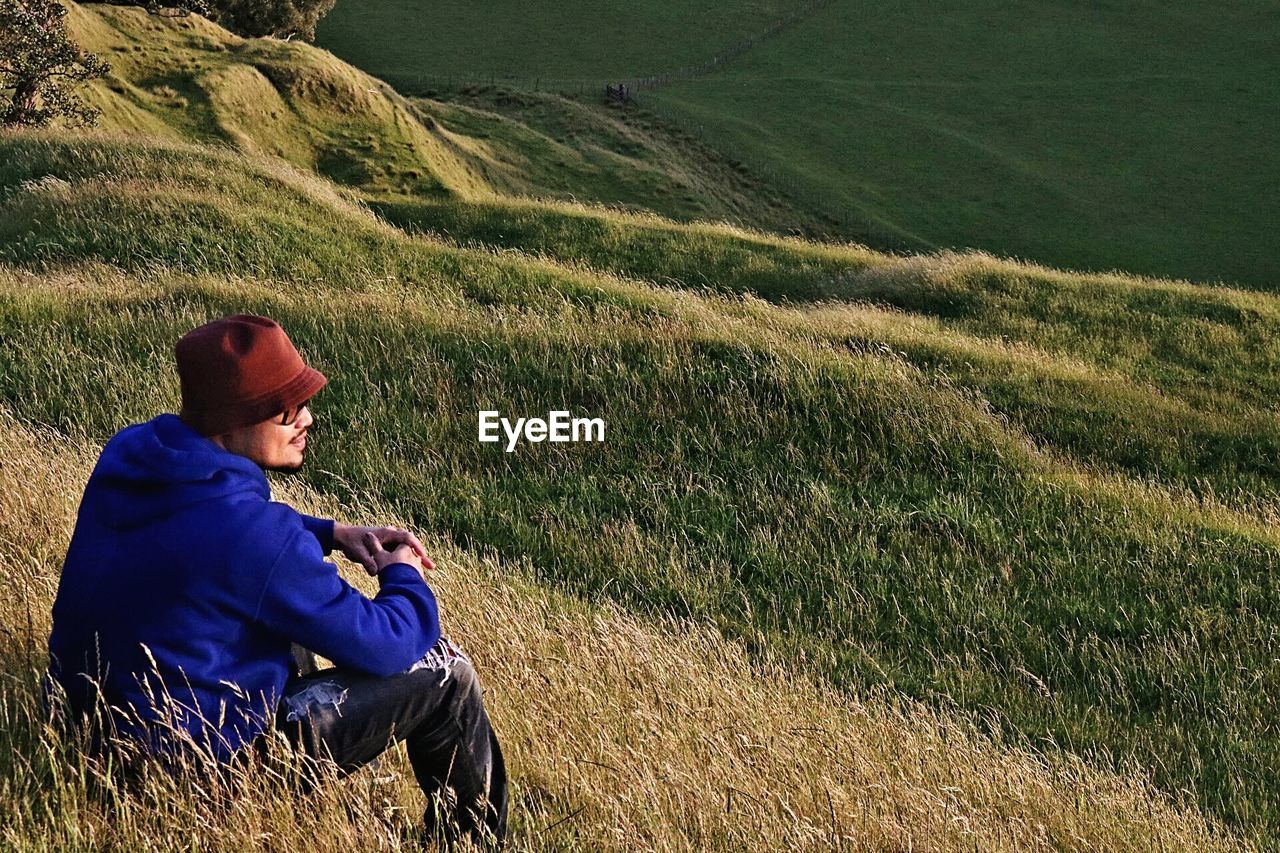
<point>823,501</point>
<point>549,146</point>
<point>1090,136</point>
<point>185,78</point>
<point>619,732</point>
<point>1045,499</point>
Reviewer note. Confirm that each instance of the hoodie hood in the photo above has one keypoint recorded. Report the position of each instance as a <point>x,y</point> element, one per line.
<point>153,469</point>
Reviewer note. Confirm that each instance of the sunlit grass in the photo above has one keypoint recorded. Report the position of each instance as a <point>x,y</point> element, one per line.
<point>620,734</point>
<point>1041,501</point>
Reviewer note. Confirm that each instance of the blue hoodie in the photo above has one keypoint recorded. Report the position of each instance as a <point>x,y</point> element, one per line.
<point>185,584</point>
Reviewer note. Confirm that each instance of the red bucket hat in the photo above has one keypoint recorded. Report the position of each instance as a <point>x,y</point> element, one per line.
<point>238,371</point>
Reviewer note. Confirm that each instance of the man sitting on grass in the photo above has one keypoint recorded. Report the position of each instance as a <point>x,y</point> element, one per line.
<point>185,587</point>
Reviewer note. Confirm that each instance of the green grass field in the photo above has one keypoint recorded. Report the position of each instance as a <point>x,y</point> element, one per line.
<point>549,146</point>
<point>1087,136</point>
<point>562,42</point>
<point>781,472</point>
<point>1038,504</point>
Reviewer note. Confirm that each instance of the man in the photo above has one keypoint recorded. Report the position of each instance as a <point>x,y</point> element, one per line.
<point>185,586</point>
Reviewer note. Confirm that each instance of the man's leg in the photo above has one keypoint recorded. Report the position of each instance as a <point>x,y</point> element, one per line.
<point>436,707</point>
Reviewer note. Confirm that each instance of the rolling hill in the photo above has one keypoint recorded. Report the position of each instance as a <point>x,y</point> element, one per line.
<point>1093,136</point>
<point>1030,512</point>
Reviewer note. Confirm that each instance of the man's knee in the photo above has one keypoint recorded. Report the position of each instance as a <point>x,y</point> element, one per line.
<point>448,667</point>
<point>466,685</point>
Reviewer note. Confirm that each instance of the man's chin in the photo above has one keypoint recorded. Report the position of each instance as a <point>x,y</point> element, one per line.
<point>292,468</point>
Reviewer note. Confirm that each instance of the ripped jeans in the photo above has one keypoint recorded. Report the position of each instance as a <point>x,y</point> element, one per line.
<point>436,708</point>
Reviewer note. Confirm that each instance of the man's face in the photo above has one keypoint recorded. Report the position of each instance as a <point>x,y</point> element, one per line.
<point>274,446</point>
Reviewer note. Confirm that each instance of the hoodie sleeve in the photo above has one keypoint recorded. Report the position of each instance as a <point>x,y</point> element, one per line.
<point>305,600</point>
<point>322,529</point>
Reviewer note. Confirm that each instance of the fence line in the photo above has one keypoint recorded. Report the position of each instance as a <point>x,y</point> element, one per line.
<point>421,84</point>
<point>845,221</point>
<point>730,53</point>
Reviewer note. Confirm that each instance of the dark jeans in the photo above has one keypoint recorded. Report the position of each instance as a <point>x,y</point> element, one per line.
<point>437,709</point>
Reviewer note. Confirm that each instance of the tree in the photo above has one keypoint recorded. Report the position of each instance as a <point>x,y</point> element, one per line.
<point>271,17</point>
<point>170,9</point>
<point>40,66</point>
<point>250,18</point>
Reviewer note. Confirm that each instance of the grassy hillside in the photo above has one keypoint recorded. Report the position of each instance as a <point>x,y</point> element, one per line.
<point>1095,136</point>
<point>620,733</point>
<point>564,41</point>
<point>1042,501</point>
<point>780,472</point>
<point>1161,380</point>
<point>187,79</point>
<point>552,147</point>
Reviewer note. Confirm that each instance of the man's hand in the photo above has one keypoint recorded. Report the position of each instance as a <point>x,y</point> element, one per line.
<point>401,554</point>
<point>375,547</point>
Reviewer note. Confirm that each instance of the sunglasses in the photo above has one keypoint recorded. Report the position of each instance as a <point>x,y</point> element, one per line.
<point>291,415</point>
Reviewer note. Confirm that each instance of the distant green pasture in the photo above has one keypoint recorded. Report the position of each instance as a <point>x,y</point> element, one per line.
<point>1083,135</point>
<point>1086,135</point>
<point>579,41</point>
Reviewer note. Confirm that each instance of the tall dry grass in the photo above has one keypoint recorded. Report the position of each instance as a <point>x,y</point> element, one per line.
<point>620,734</point>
